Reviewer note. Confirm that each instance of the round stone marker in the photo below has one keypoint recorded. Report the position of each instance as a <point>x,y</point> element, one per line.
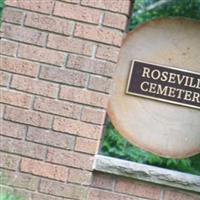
<point>166,129</point>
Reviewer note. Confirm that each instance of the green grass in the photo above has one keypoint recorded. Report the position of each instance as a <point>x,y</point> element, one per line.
<point>115,145</point>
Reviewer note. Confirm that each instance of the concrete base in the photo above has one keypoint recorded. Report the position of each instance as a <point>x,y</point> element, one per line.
<point>147,173</point>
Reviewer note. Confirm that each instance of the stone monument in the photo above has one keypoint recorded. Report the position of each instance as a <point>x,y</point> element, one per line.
<point>156,96</point>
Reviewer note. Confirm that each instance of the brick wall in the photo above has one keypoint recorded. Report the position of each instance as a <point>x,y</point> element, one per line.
<point>57,62</point>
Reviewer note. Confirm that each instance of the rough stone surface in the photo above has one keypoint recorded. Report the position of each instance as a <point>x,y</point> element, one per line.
<point>147,173</point>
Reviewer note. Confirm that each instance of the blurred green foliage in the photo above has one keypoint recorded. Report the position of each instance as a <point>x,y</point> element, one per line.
<point>1,4</point>
<point>146,10</point>
<point>115,145</point>
<point>9,196</point>
<point>1,9</point>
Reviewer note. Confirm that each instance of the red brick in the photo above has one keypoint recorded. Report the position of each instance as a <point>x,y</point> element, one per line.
<point>103,181</point>
<point>107,53</point>
<point>115,20</point>
<point>76,127</point>
<point>8,48</point>
<point>141,189</point>
<point>63,190</point>
<point>93,115</point>
<point>173,195</point>
<point>84,96</point>
<point>12,15</point>
<point>72,1</point>
<point>15,98</point>
<point>41,55</point>
<point>79,176</point>
<point>25,194</point>
<point>70,158</point>
<point>43,169</point>
<point>2,108</point>
<point>58,107</point>
<point>50,138</point>
<point>11,129</point>
<point>121,6</point>
<point>48,23</point>
<point>9,161</point>
<point>38,6</point>
<point>86,145</point>
<point>66,76</point>
<point>91,65</point>
<point>39,196</point>
<point>34,86</point>
<point>23,148</point>
<point>4,78</point>
<point>72,45</point>
<point>28,117</point>
<point>95,194</point>
<point>19,66</point>
<point>98,34</point>
<point>22,34</point>
<point>77,12</point>
<point>15,179</point>
<point>99,83</point>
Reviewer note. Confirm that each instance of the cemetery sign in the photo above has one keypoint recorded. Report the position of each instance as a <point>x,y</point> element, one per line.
<point>166,84</point>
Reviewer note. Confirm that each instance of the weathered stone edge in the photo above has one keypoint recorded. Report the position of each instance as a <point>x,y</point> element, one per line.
<point>147,173</point>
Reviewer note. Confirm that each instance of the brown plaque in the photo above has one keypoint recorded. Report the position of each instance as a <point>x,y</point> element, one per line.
<point>167,125</point>
<point>163,83</point>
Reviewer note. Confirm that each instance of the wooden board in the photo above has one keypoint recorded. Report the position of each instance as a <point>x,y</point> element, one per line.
<point>165,129</point>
